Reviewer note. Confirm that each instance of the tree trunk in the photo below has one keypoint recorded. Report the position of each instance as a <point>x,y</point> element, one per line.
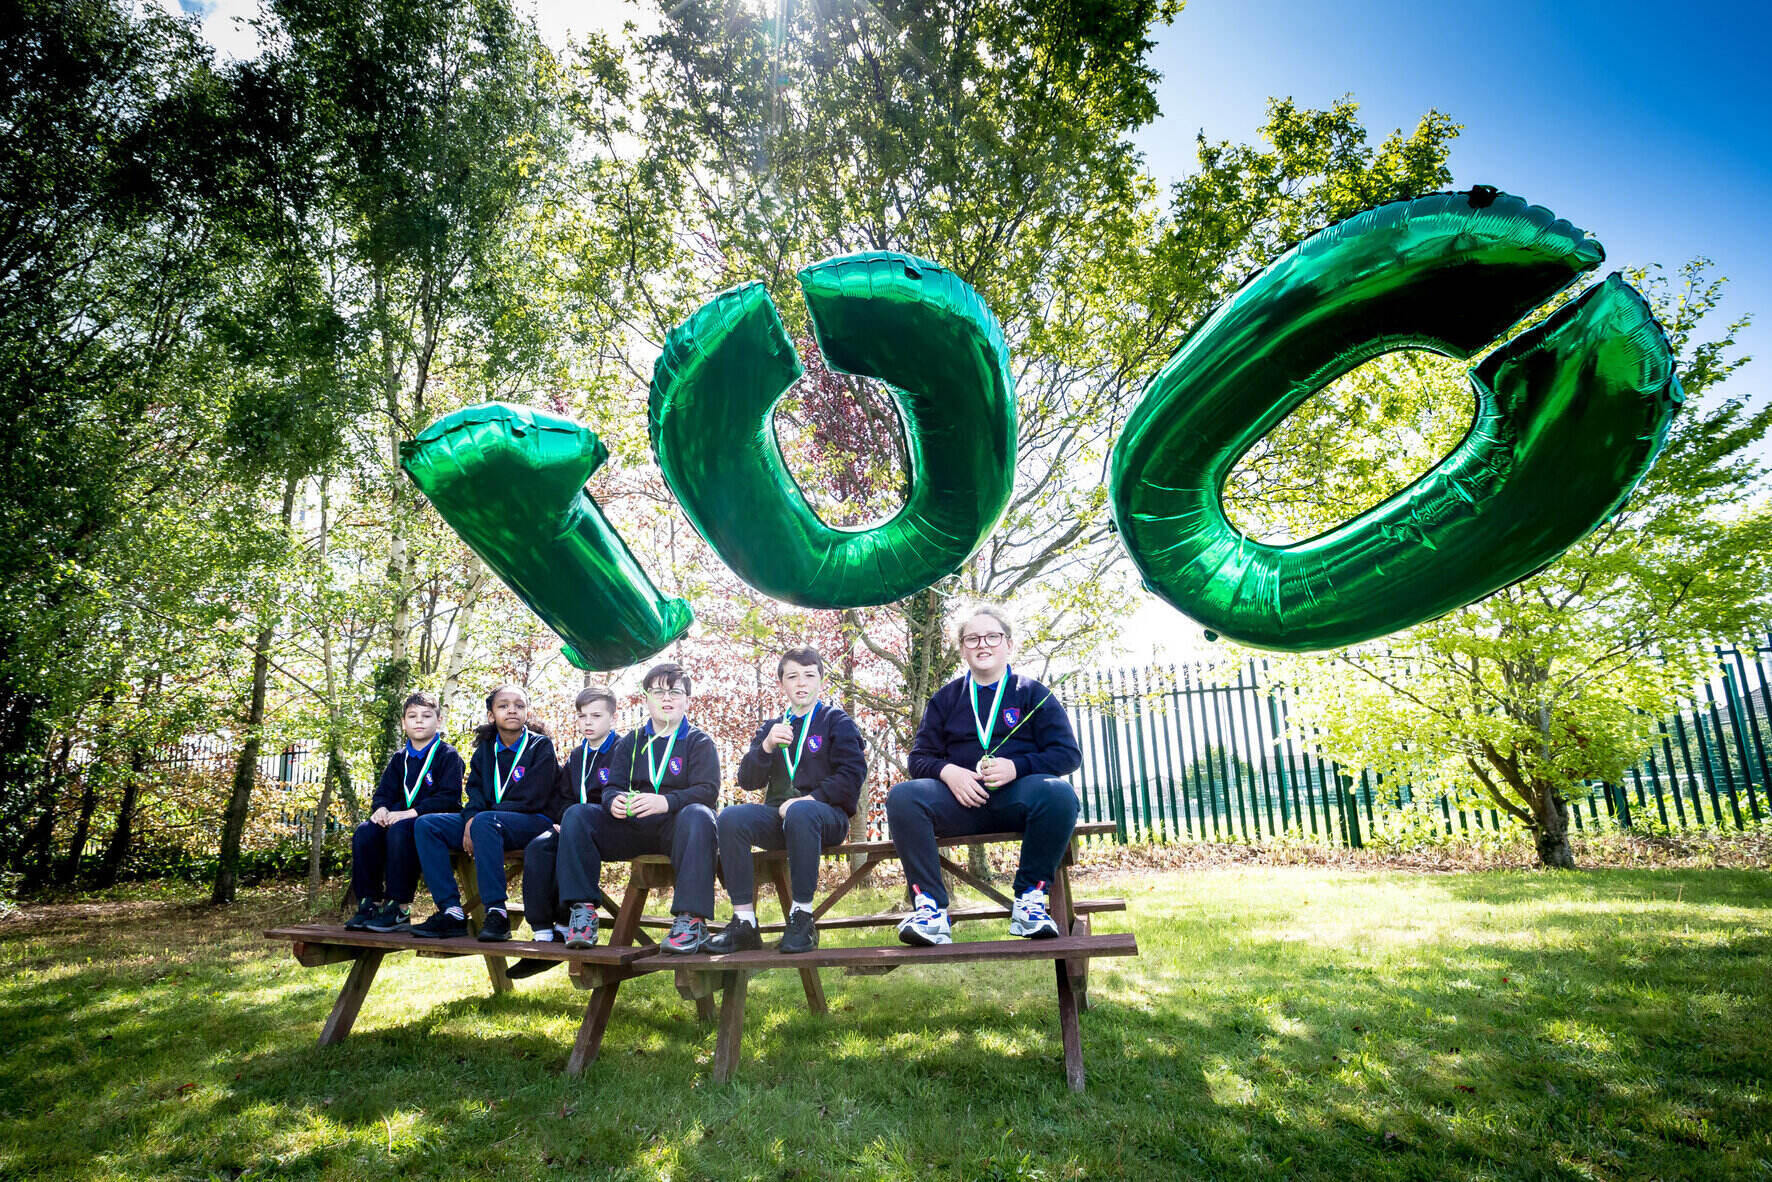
<point>246,767</point>
<point>35,857</point>
<point>317,831</point>
<point>1551,830</point>
<point>70,867</point>
<point>123,832</point>
<point>458,648</point>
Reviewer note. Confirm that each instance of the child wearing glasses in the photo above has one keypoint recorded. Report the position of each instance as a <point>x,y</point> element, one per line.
<point>664,781</point>
<point>989,757</point>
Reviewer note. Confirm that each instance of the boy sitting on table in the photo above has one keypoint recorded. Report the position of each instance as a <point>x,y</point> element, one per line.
<point>809,763</point>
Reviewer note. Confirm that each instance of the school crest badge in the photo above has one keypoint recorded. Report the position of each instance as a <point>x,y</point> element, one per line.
<point>517,772</point>
<point>1011,716</point>
<point>676,765</point>
<point>814,742</point>
<point>602,775</point>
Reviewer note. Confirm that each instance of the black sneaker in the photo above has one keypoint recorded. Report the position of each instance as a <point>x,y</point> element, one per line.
<point>367,910</point>
<point>441,926</point>
<point>802,933</point>
<point>496,927</point>
<point>392,917</point>
<point>689,933</point>
<point>736,936</point>
<point>529,966</point>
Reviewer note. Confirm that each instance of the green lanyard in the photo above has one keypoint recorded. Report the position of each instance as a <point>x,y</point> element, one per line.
<point>793,757</point>
<point>985,732</point>
<point>657,773</point>
<point>584,765</point>
<point>498,789</point>
<point>406,763</point>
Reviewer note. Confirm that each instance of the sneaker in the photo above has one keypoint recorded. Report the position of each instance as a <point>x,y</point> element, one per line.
<point>737,936</point>
<point>1030,917</point>
<point>802,933</point>
<point>928,924</point>
<point>529,966</point>
<point>367,909</point>
<point>581,928</point>
<point>497,927</point>
<point>441,926</point>
<point>689,933</point>
<point>392,917</point>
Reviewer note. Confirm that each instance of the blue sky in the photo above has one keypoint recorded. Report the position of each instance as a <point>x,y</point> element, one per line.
<point>1643,123</point>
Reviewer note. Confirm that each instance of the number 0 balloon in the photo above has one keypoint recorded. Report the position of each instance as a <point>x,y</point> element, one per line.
<point>1570,415</point>
<point>912,324</point>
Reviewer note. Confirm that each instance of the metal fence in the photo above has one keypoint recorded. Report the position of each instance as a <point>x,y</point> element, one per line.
<point>1188,752</point>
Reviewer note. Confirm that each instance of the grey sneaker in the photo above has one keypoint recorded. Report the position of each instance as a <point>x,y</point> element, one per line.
<point>1030,917</point>
<point>927,925</point>
<point>581,928</point>
<point>689,933</point>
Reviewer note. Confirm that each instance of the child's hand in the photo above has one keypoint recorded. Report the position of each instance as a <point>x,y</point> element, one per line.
<point>780,735</point>
<point>467,841</point>
<point>648,804</point>
<point>379,817</point>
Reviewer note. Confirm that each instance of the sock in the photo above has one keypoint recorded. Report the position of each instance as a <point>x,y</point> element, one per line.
<point>496,911</point>
<point>455,913</point>
<point>560,930</point>
<point>545,936</point>
<point>748,914</point>
<point>799,906</point>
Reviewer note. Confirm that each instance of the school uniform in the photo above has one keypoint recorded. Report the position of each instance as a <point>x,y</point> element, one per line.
<point>513,798</point>
<point>583,777</point>
<point>826,778</point>
<point>1024,723</point>
<point>384,859</point>
<point>682,765</point>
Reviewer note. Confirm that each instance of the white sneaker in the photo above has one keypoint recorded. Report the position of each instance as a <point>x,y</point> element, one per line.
<point>928,924</point>
<point>1030,918</point>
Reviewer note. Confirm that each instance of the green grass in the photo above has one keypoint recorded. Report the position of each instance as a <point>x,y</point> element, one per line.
<point>1279,1022</point>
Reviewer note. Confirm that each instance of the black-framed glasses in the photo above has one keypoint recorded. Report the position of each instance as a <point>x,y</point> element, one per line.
<point>983,639</point>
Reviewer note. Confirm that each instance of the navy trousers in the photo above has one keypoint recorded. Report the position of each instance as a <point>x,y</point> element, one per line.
<point>440,834</point>
<point>541,895</point>
<point>1041,808</point>
<point>809,826</point>
<point>589,836</point>
<point>384,861</point>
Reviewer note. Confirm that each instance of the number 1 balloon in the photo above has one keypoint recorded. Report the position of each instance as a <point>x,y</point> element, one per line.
<point>510,480</point>
<point>1570,416</point>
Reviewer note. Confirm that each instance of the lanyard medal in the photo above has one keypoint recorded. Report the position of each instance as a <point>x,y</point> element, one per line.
<point>584,765</point>
<point>985,732</point>
<point>792,758</point>
<point>653,769</point>
<point>411,787</point>
<point>498,789</point>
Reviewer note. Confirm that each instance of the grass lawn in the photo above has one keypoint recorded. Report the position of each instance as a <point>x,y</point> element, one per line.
<point>1293,1022</point>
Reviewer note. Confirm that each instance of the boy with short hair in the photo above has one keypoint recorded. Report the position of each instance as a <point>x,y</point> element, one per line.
<point>663,785</point>
<point>810,766</point>
<point>583,777</point>
<point>424,776</point>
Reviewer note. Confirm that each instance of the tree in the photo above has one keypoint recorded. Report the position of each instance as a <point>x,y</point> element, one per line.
<point>1561,677</point>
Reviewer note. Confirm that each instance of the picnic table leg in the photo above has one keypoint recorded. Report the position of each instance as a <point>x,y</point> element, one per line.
<point>809,979</point>
<point>350,998</point>
<point>726,1042</point>
<point>1068,1029</point>
<point>590,1031</point>
<point>476,913</point>
<point>1065,913</point>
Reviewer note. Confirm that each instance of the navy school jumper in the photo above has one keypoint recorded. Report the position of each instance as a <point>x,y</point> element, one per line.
<point>384,859</point>
<point>528,808</point>
<point>541,900</point>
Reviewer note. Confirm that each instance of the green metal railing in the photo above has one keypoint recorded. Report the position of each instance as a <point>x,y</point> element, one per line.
<point>1197,753</point>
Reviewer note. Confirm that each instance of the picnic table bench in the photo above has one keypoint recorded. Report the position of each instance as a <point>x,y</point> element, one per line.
<point>631,953</point>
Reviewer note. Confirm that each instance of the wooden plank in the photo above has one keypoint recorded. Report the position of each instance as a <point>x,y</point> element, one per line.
<point>602,1003</point>
<point>857,875</point>
<point>321,935</point>
<point>814,988</point>
<point>1069,1032</point>
<point>694,986</point>
<point>1060,948</point>
<point>733,986</point>
<point>312,956</point>
<point>350,998</point>
<point>1079,968</point>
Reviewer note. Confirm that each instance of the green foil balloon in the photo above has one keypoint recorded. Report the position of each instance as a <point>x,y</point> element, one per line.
<point>511,481</point>
<point>1570,415</point>
<point>912,324</point>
